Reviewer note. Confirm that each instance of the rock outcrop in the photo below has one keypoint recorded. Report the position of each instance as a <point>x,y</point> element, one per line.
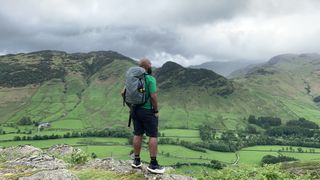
<point>59,174</point>
<point>26,162</point>
<point>61,149</point>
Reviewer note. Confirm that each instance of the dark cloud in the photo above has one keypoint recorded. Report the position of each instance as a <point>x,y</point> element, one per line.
<point>188,32</point>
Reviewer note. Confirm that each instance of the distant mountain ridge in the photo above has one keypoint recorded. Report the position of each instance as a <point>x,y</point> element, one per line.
<point>224,68</point>
<point>279,61</point>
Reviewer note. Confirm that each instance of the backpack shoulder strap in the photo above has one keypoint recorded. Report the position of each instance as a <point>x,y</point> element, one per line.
<point>147,86</point>
<point>124,97</point>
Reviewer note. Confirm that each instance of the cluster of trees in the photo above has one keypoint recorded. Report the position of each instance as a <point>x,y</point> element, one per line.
<point>37,137</point>
<point>251,130</point>
<point>112,132</point>
<point>264,122</point>
<point>115,132</point>
<point>299,149</point>
<point>25,121</point>
<point>192,146</point>
<point>290,131</point>
<point>227,142</point>
<point>2,131</point>
<point>299,132</point>
<point>300,127</point>
<point>302,122</point>
<point>269,159</point>
<point>260,139</point>
<point>221,146</point>
<point>186,144</point>
<point>215,145</point>
<point>207,132</point>
<point>213,164</point>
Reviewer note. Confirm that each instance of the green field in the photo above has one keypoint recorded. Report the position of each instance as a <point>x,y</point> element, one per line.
<point>181,134</point>
<point>68,124</point>
<point>169,154</point>
<point>253,155</point>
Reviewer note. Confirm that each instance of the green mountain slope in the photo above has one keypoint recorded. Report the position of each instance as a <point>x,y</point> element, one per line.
<point>81,90</point>
<point>82,95</point>
<point>291,81</point>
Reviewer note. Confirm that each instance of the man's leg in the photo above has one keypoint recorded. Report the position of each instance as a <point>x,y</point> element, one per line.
<point>153,146</point>
<point>151,127</point>
<point>137,142</point>
<point>154,167</point>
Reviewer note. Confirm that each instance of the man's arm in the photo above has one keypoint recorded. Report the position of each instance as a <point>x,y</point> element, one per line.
<point>122,92</point>
<point>154,100</point>
<point>153,95</point>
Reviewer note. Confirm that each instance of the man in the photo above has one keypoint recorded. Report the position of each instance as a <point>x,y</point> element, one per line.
<point>145,120</point>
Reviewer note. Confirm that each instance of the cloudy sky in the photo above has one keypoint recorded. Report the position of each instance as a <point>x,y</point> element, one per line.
<point>187,32</point>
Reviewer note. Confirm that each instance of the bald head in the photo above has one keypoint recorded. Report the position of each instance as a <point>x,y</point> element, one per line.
<point>146,64</point>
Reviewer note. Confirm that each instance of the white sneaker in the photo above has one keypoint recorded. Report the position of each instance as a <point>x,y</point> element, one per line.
<point>156,168</point>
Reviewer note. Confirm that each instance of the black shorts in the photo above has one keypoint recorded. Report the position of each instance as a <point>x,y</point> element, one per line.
<point>144,121</point>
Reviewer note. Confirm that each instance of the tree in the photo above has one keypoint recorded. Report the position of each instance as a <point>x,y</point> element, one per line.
<point>216,164</point>
<point>251,130</point>
<point>303,123</point>
<point>25,121</point>
<point>252,119</point>
<point>269,159</point>
<point>228,136</point>
<point>93,155</point>
<point>264,122</point>
<point>207,132</point>
<point>16,138</point>
<point>67,135</point>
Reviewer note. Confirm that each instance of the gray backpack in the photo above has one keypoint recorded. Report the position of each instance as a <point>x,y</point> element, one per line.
<point>135,86</point>
<point>135,89</point>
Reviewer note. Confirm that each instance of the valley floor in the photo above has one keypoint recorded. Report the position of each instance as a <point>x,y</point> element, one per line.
<point>191,161</point>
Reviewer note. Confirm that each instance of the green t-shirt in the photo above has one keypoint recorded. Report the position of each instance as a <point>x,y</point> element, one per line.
<point>151,87</point>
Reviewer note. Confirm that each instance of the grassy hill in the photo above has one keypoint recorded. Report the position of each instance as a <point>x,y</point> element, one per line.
<point>81,90</point>
<point>82,95</point>
<point>291,81</point>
